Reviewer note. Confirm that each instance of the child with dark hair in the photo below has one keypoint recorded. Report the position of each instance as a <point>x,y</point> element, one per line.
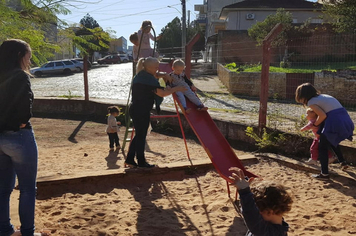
<point>134,40</point>
<point>263,207</point>
<point>113,128</point>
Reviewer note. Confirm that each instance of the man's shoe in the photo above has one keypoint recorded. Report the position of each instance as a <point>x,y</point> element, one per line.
<point>130,164</point>
<point>146,165</point>
<point>344,165</point>
<point>320,176</point>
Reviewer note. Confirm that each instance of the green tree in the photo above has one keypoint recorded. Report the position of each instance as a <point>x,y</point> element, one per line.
<point>342,14</point>
<point>261,29</point>
<point>171,41</point>
<point>89,22</point>
<point>90,37</point>
<point>25,21</point>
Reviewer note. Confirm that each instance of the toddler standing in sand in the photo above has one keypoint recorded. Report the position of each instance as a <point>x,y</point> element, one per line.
<point>112,127</point>
<point>178,78</point>
<point>314,148</point>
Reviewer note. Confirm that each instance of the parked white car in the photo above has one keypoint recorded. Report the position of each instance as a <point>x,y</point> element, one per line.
<point>124,58</point>
<point>57,67</point>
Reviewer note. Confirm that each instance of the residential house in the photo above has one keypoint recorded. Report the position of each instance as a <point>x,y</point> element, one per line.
<point>242,15</point>
<point>208,17</point>
<point>226,45</point>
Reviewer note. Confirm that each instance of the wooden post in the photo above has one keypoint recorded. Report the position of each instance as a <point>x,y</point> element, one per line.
<point>262,120</point>
<point>85,73</point>
<point>188,54</point>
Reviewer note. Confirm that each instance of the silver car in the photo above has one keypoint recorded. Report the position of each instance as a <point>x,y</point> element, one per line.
<point>57,67</point>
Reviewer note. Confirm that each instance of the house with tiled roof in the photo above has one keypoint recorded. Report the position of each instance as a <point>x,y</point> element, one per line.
<point>235,19</point>
<point>242,15</point>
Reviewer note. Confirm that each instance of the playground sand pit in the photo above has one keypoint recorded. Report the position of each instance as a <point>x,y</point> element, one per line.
<point>196,205</point>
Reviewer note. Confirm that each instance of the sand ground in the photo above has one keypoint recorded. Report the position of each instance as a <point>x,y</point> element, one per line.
<point>195,205</point>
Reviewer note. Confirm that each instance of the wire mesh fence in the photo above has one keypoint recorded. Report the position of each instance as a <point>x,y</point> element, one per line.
<point>326,60</point>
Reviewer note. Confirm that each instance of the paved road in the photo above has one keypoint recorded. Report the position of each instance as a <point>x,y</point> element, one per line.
<point>113,82</point>
<point>109,81</point>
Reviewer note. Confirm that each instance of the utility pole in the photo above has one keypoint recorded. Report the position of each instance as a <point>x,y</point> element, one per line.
<point>184,29</point>
<point>188,19</point>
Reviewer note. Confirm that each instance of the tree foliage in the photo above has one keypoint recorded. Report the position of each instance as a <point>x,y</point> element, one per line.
<point>36,22</point>
<point>171,40</point>
<point>342,14</point>
<point>89,22</point>
<point>261,29</point>
<point>27,22</point>
<point>90,37</point>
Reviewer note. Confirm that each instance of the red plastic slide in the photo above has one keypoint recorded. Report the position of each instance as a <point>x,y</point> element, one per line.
<point>216,146</point>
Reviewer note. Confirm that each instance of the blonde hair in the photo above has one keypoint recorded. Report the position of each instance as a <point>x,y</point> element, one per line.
<point>145,62</point>
<point>178,63</point>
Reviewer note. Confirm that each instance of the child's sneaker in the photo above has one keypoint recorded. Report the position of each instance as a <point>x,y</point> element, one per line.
<point>111,149</point>
<point>187,110</point>
<point>311,162</point>
<point>202,108</point>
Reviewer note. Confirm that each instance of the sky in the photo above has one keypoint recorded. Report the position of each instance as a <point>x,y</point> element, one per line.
<point>126,16</point>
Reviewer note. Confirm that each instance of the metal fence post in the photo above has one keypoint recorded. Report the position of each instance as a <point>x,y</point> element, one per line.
<point>262,120</point>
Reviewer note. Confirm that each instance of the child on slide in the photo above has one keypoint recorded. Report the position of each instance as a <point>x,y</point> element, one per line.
<point>178,78</point>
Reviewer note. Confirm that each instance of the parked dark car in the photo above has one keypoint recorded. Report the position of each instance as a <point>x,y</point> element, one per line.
<point>57,67</point>
<point>197,55</point>
<point>110,59</point>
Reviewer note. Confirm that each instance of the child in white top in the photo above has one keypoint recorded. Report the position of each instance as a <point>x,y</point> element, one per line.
<point>179,79</point>
<point>145,34</point>
<point>112,127</point>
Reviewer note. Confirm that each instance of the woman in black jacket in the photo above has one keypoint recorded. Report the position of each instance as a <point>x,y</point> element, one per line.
<point>18,148</point>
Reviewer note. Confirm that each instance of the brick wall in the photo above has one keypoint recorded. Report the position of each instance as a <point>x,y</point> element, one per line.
<point>336,84</point>
<point>249,83</point>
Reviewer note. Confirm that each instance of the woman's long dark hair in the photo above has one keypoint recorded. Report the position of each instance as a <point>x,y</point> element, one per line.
<point>11,53</point>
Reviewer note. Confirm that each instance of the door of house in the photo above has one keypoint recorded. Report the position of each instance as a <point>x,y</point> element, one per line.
<point>296,79</point>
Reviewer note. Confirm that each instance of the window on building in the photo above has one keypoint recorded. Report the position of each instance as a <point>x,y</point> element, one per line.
<point>316,21</point>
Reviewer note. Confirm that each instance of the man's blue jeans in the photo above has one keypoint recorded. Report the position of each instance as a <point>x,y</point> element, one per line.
<point>18,157</point>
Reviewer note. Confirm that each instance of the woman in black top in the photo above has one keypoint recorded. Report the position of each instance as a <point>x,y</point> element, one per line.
<point>18,149</point>
<point>144,87</point>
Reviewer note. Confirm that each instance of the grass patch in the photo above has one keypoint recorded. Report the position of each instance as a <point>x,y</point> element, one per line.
<point>226,110</point>
<point>294,69</point>
<point>69,96</point>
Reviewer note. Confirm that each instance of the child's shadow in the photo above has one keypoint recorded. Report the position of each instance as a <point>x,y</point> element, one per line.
<point>111,160</point>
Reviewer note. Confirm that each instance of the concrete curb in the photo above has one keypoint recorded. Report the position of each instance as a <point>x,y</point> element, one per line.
<point>56,186</point>
<point>334,170</point>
